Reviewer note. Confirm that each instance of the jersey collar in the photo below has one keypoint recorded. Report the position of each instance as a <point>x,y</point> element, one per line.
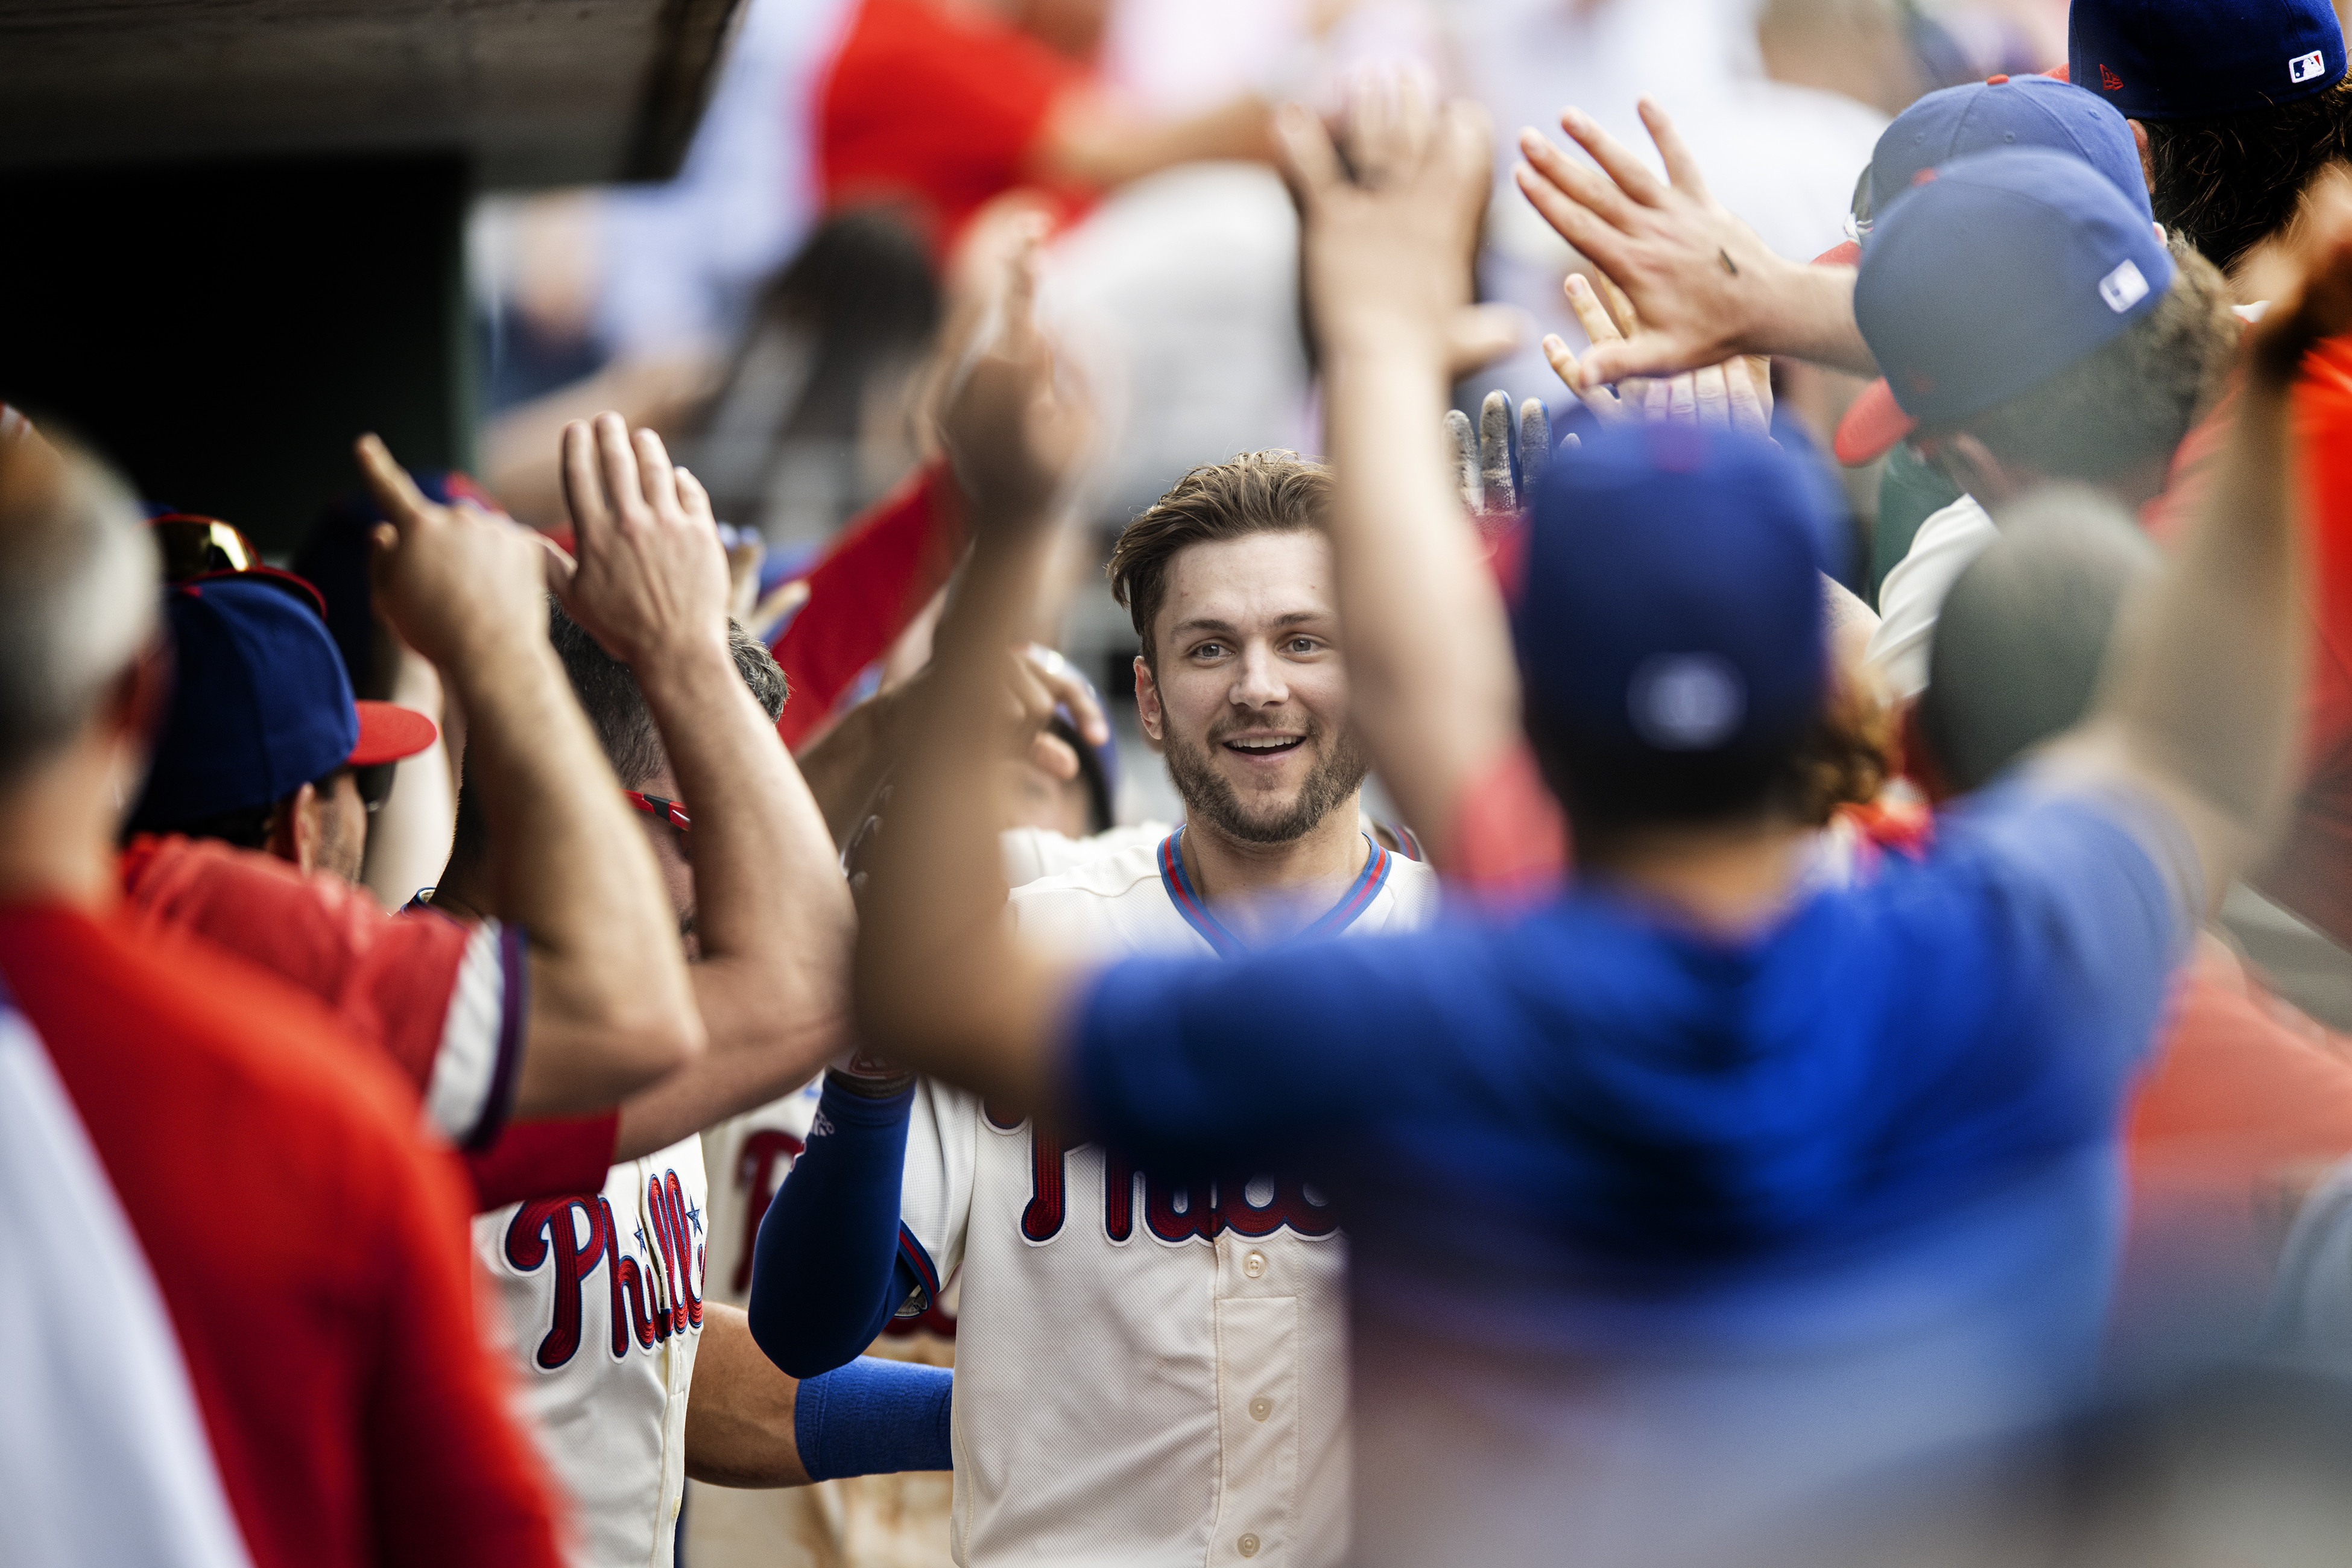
<point>1331,922</point>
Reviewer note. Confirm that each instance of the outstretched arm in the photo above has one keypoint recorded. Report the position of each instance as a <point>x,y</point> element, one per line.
<point>1706,287</point>
<point>772,916</point>
<point>2205,680</point>
<point>1435,688</point>
<point>610,1010</point>
<point>941,983</point>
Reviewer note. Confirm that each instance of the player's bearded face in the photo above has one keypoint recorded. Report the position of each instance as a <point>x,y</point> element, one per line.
<point>1335,767</point>
<point>1248,695</point>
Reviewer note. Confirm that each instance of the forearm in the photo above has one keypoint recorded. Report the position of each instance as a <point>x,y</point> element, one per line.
<point>941,983</point>
<point>2206,683</point>
<point>823,1268</point>
<point>772,914</point>
<point>611,1010</point>
<point>749,1425</point>
<point>1807,313</point>
<point>408,839</point>
<point>1089,142</point>
<point>846,764</point>
<point>1429,656</point>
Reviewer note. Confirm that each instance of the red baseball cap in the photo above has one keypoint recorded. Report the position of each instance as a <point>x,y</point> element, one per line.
<point>388,732</point>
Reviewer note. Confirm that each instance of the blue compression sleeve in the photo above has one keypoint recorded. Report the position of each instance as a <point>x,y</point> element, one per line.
<point>874,1417</point>
<point>825,1275</point>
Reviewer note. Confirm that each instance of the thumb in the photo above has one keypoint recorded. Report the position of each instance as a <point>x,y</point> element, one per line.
<point>559,567</point>
<point>1650,354</point>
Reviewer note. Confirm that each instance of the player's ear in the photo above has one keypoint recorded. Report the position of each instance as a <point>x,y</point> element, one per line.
<point>1147,699</point>
<point>294,830</point>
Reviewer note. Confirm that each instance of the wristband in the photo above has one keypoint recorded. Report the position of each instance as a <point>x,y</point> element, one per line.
<point>873,1417</point>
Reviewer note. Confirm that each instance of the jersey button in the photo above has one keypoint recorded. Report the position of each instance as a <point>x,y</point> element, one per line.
<point>1254,1265</point>
<point>1260,1408</point>
<point>1247,1545</point>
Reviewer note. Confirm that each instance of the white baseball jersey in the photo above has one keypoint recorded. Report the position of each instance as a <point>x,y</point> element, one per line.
<point>1148,1371</point>
<point>604,1295</point>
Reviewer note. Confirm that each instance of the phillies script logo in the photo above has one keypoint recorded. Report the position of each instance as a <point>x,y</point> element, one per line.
<point>651,1301</point>
<point>1173,1210</point>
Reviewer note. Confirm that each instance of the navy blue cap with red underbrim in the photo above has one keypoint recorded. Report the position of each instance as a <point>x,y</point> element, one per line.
<point>2193,59</point>
<point>1996,273</point>
<point>260,706</point>
<point>1667,599</point>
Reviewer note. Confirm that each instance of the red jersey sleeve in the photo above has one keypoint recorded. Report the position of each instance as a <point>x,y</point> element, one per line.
<point>877,577</point>
<point>1509,843</point>
<point>445,1001</point>
<point>544,1160</point>
<point>934,105</point>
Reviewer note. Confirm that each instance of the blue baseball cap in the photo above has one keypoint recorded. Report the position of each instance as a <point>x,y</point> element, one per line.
<point>2001,112</point>
<point>1996,273</point>
<point>2186,59</point>
<point>260,706</point>
<point>1669,597</point>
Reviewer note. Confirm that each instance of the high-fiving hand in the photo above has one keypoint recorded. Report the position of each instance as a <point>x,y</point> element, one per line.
<point>1015,438</point>
<point>1735,394</point>
<point>451,581</point>
<point>651,574</point>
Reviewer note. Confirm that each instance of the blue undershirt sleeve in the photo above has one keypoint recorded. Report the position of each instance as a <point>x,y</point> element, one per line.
<point>826,1273</point>
<point>874,1417</point>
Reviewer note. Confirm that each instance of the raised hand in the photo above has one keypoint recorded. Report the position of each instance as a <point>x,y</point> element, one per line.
<point>1483,458</point>
<point>1016,440</point>
<point>1735,394</point>
<point>651,574</point>
<point>1705,285</point>
<point>2308,281</point>
<point>1390,233</point>
<point>451,581</point>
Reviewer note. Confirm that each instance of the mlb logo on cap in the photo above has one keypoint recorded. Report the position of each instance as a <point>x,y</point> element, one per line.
<point>2307,67</point>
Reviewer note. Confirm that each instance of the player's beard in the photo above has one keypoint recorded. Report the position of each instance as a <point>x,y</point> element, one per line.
<point>1209,797</point>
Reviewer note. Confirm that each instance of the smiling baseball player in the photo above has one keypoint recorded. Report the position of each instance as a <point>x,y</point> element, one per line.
<point>1151,1368</point>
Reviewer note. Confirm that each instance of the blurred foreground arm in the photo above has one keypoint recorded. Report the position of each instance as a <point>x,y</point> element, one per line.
<point>610,1010</point>
<point>772,916</point>
<point>1705,286</point>
<point>941,983</point>
<point>1435,686</point>
<point>2203,685</point>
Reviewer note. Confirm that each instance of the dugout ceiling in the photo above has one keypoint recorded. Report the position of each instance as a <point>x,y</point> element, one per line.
<point>528,92</point>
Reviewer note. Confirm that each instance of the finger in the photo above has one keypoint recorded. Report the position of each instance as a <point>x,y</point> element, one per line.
<point>1021,338</point>
<point>1415,119</point>
<point>1616,160</point>
<point>1682,169</point>
<point>1478,335</point>
<point>1747,410</point>
<point>1592,392</point>
<point>394,490</point>
<point>1713,397</point>
<point>770,610</point>
<point>1759,382</point>
<point>694,501</point>
<point>557,568</point>
<point>1657,402</point>
<point>1590,314</point>
<point>1052,756</point>
<point>1651,355</point>
<point>1535,444</point>
<point>616,462</point>
<point>659,480</point>
<point>1307,155</point>
<point>1371,129</point>
<point>1682,400</point>
<point>1620,305</point>
<point>1583,231</point>
<point>1071,693</point>
<point>584,489</point>
<point>1578,181</point>
<point>1495,452</point>
<point>1464,441</point>
<point>383,541</point>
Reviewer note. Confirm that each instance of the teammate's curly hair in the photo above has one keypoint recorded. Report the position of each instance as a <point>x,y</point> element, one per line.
<point>2231,180</point>
<point>1258,493</point>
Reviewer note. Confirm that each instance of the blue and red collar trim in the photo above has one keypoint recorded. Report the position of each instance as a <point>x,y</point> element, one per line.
<point>1331,922</point>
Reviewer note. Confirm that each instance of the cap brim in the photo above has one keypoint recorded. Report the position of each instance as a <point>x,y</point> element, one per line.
<point>1872,428</point>
<point>389,732</point>
<point>1844,253</point>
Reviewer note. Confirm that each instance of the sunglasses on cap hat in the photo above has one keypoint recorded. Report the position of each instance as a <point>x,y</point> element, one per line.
<point>669,811</point>
<point>195,546</point>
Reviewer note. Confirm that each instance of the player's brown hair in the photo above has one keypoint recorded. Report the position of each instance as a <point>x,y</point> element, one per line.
<point>1258,493</point>
<point>2231,180</point>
